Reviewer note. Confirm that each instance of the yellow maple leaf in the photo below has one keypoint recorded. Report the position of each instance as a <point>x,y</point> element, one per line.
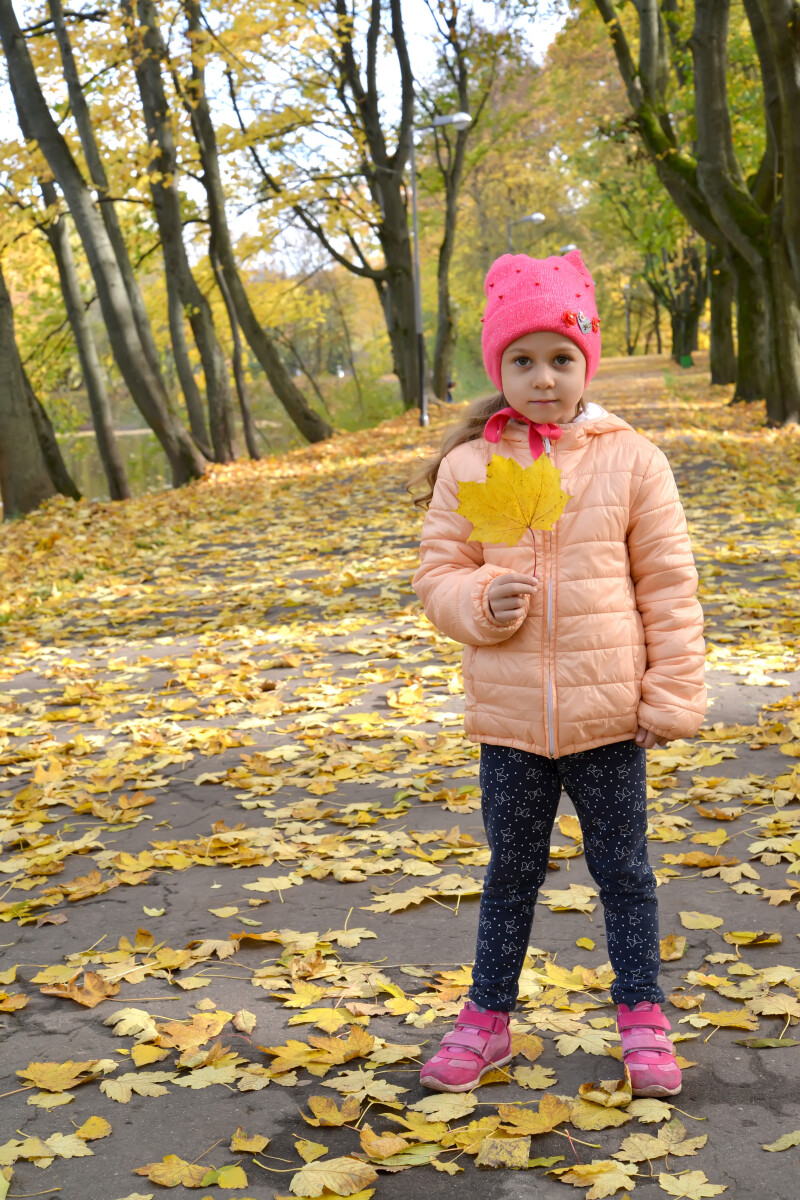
<point>93,1128</point>
<point>673,947</point>
<point>380,1146</point>
<point>605,1176</point>
<point>698,920</point>
<point>449,1106</point>
<point>611,1093</point>
<point>596,1116</point>
<point>342,1176</point>
<point>326,1111</point>
<point>253,1144</point>
<point>173,1171</point>
<point>9,1003</point>
<point>513,500</point>
<point>536,1077</point>
<point>693,1185</point>
<point>523,1121</point>
<point>58,1077</point>
<point>527,1044</point>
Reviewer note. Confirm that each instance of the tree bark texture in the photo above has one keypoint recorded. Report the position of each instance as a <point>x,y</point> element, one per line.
<point>25,481</point>
<point>51,451</point>
<point>754,354</point>
<point>452,171</point>
<point>248,424</point>
<point>781,19</point>
<point>309,422</point>
<point>97,174</point>
<point>195,409</point>
<point>58,236</point>
<point>145,386</point>
<point>148,54</point>
<point>720,282</point>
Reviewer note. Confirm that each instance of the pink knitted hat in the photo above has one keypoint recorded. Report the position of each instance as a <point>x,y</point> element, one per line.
<point>528,295</point>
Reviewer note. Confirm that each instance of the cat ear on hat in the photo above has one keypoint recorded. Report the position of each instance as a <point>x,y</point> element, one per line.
<point>498,270</point>
<point>574,257</point>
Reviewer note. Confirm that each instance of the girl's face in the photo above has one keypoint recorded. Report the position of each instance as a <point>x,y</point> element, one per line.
<point>543,376</point>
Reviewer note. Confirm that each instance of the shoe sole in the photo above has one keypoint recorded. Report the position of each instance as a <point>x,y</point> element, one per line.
<point>436,1085</point>
<point>656,1090</point>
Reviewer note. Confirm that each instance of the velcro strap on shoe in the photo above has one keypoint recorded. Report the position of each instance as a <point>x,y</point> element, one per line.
<point>634,1020</point>
<point>464,1039</point>
<point>645,1039</point>
<point>487,1021</point>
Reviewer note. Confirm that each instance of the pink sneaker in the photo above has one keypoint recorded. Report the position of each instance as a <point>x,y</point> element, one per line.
<point>647,1052</point>
<point>479,1042</point>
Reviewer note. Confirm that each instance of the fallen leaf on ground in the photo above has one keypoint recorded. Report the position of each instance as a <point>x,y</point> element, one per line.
<point>173,1171</point>
<point>342,1176</point>
<point>785,1141</point>
<point>504,1152</point>
<point>603,1177</point>
<point>692,1186</point>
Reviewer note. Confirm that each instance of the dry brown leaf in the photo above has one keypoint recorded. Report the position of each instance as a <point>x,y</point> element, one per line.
<point>90,993</point>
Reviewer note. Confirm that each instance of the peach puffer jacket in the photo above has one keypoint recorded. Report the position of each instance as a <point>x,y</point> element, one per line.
<point>613,637</point>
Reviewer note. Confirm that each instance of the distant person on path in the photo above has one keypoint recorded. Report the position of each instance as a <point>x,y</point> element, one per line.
<point>583,648</point>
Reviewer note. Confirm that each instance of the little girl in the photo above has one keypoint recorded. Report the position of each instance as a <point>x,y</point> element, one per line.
<point>583,648</point>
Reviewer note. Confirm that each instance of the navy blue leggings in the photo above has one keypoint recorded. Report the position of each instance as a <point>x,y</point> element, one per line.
<point>521,793</point>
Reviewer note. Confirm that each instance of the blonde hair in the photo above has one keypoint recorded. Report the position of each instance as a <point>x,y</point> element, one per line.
<point>468,429</point>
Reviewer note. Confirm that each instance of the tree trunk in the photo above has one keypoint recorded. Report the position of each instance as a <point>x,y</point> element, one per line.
<point>97,174</point>
<point>783,402</point>
<point>25,480</point>
<point>349,344</point>
<point>781,19</point>
<point>396,294</point>
<point>183,367</point>
<point>681,335</point>
<point>248,424</point>
<point>145,386</point>
<point>720,291</point>
<point>657,324</point>
<point>148,54</point>
<point>445,325</point>
<point>754,353</point>
<point>51,451</point>
<point>309,422</point>
<point>58,235</point>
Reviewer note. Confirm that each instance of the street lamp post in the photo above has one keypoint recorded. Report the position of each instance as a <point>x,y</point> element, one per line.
<point>459,121</point>
<point>534,218</point>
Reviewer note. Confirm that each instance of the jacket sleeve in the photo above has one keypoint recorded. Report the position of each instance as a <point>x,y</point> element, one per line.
<point>673,701</point>
<point>452,578</point>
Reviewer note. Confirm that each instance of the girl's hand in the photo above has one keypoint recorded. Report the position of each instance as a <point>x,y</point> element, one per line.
<point>506,595</point>
<point>646,738</point>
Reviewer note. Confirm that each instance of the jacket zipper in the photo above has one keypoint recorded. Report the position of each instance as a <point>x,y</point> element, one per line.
<point>549,630</point>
